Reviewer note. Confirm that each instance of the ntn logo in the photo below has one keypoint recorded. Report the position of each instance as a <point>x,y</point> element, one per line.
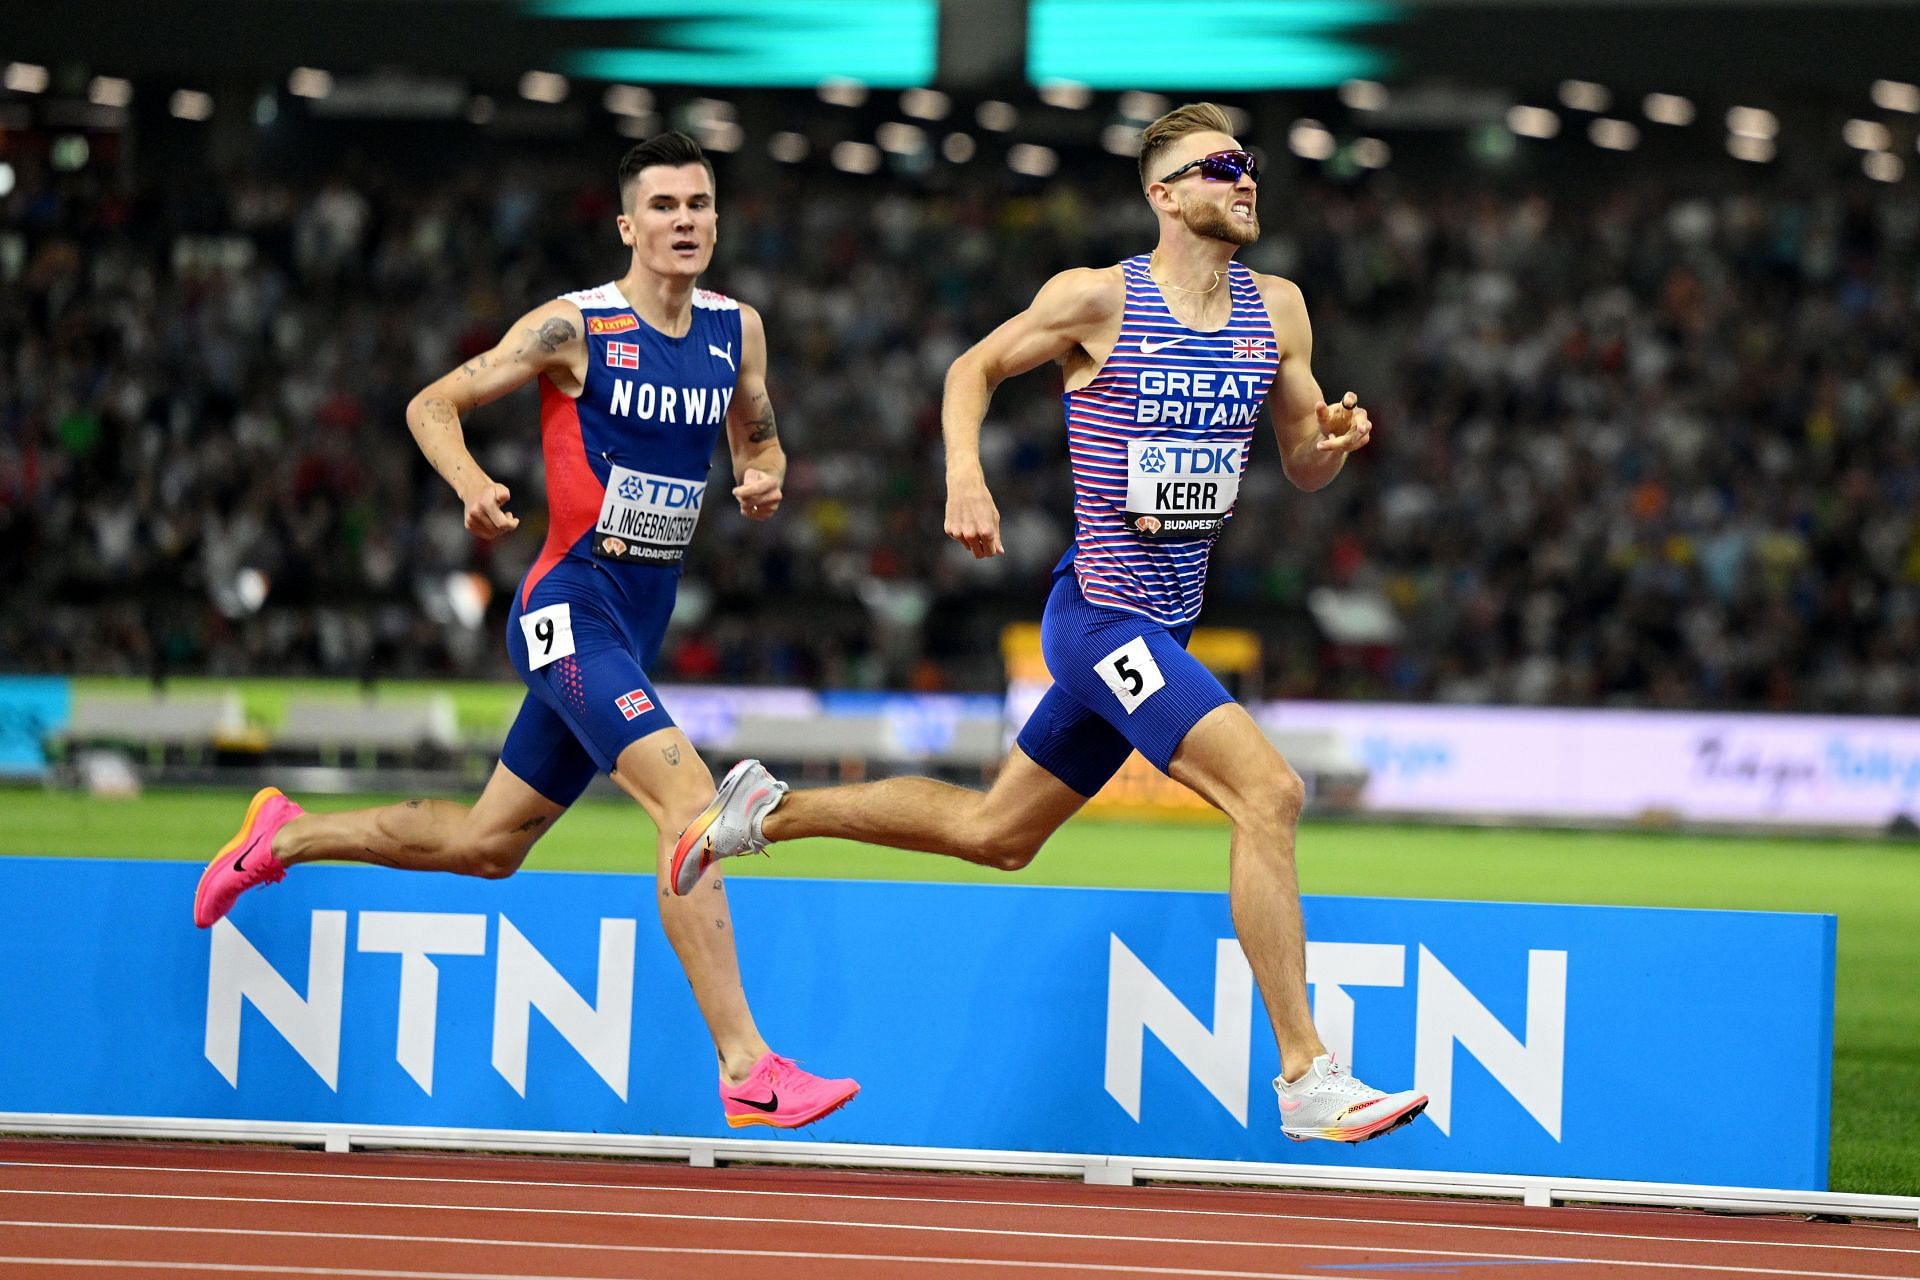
<point>524,980</point>
<point>1531,1070</point>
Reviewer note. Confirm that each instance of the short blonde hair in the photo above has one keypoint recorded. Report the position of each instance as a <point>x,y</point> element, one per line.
<point>1194,117</point>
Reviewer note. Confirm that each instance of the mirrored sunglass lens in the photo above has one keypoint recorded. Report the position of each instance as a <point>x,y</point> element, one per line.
<point>1229,166</point>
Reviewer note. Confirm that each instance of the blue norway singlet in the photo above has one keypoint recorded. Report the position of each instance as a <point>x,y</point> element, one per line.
<point>627,459</point>
<point>1158,440</point>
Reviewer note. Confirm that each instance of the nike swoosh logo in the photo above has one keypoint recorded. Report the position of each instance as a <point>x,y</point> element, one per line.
<point>240,863</point>
<point>771,1104</point>
<point>1148,348</point>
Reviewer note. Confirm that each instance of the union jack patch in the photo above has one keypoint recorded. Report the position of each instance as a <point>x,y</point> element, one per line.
<point>1251,348</point>
<point>623,355</point>
<point>634,705</point>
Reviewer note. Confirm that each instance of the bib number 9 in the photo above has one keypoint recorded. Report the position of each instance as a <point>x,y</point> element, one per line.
<point>1131,673</point>
<point>549,634</point>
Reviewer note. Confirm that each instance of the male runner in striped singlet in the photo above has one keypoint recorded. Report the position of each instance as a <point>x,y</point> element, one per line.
<point>1168,357</point>
<point>636,379</point>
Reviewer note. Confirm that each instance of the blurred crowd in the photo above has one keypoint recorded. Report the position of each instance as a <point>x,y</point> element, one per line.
<point>1634,447</point>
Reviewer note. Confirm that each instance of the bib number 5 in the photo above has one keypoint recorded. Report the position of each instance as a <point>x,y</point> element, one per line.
<point>1131,673</point>
<point>549,634</point>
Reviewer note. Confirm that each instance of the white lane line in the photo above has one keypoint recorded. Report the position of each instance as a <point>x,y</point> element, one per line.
<point>995,1232</point>
<point>387,1273</point>
<point>1269,1216</point>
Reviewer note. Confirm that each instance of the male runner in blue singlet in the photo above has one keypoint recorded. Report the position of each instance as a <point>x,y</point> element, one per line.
<point>637,378</point>
<point>1168,357</point>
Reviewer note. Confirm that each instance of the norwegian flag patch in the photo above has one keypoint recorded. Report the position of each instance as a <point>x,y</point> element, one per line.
<point>634,705</point>
<point>623,355</point>
<point>1251,348</point>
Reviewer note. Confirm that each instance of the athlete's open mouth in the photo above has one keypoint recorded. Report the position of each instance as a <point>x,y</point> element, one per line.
<point>685,246</point>
<point>1243,207</point>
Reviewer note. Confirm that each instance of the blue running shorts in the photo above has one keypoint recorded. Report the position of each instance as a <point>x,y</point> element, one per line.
<point>1121,683</point>
<point>584,664</point>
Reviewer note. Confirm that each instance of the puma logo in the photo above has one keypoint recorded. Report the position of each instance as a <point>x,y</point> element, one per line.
<point>726,355</point>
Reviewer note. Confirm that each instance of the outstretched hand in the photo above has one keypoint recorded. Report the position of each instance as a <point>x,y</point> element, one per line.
<point>1344,427</point>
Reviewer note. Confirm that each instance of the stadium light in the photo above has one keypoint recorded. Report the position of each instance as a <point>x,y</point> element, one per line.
<point>6,179</point>
<point>1372,153</point>
<point>1310,140</point>
<point>1668,108</point>
<point>1896,95</point>
<point>543,86</point>
<point>639,128</point>
<point>1585,95</point>
<point>1533,122</point>
<point>721,135</point>
<point>1613,135</point>
<point>26,77</point>
<point>1883,166</point>
<point>958,148</point>
<point>1144,107</point>
<point>1753,150</point>
<point>1120,140</point>
<point>309,82</point>
<point>925,104</point>
<point>1033,161</point>
<point>69,153</point>
<point>627,100</point>
<point>109,91</point>
<point>841,92</point>
<point>1363,95</point>
<point>1867,135</point>
<point>1069,95</point>
<point>856,157</point>
<point>480,110</point>
<point>998,116</point>
<point>788,147</point>
<point>190,104</point>
<point>900,139</point>
<point>1752,122</point>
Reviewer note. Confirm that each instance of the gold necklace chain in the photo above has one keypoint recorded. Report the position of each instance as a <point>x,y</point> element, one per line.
<point>1218,276</point>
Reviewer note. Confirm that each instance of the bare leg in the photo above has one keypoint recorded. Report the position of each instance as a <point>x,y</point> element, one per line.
<point>673,785</point>
<point>1003,828</point>
<point>489,839</point>
<point>1230,762</point>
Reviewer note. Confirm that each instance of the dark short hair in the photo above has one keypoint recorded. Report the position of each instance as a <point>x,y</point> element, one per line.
<point>671,149</point>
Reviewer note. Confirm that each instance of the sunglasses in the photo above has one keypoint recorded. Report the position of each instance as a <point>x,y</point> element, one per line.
<point>1221,166</point>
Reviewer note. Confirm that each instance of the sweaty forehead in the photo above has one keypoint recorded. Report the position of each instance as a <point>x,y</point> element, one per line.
<point>680,181</point>
<point>1191,147</point>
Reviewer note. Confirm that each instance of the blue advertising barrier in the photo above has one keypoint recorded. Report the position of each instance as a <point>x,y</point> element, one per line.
<point>1676,1046</point>
<point>31,707</point>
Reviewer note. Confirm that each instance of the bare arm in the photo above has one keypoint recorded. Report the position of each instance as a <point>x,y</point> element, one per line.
<point>1315,439</point>
<point>546,339</point>
<point>759,463</point>
<point>1068,312</point>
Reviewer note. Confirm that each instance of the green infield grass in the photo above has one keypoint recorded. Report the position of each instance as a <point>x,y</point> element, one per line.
<point>1873,887</point>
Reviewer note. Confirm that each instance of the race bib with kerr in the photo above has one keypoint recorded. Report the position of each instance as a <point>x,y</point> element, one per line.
<point>1180,489</point>
<point>647,519</point>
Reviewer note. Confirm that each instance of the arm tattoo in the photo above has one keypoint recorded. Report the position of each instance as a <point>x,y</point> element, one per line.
<point>473,367</point>
<point>554,334</point>
<point>763,428</point>
<point>531,824</point>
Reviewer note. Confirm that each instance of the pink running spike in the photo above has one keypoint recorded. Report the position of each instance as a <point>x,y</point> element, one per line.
<point>247,859</point>
<point>780,1094</point>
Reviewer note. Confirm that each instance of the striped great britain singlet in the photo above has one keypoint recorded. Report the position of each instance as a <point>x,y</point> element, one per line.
<point>1158,440</point>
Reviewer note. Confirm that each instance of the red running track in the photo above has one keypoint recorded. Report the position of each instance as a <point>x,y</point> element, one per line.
<point>135,1211</point>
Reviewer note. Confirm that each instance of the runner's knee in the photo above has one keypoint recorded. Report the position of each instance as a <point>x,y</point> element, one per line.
<point>1009,850</point>
<point>497,856</point>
